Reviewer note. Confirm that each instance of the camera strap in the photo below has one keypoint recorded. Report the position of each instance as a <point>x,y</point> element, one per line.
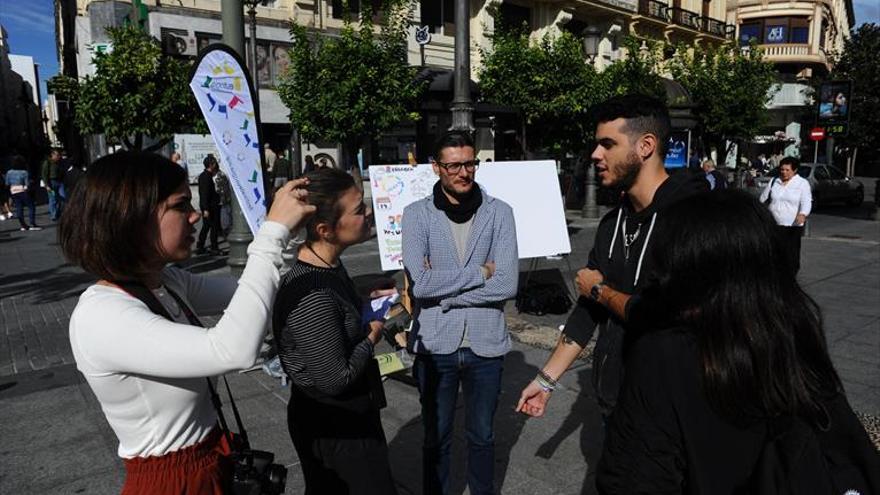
<point>146,296</point>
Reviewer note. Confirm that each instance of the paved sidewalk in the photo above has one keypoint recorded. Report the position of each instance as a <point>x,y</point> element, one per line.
<point>55,439</point>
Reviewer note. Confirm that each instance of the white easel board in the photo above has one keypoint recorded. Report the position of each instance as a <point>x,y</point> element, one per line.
<point>531,188</point>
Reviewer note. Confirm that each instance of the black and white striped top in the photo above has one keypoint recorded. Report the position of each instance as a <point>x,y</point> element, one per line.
<point>318,331</point>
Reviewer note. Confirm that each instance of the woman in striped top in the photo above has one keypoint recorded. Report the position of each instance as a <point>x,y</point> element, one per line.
<point>327,350</point>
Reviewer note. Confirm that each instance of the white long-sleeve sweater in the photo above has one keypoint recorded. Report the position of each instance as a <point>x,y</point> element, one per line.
<point>149,373</point>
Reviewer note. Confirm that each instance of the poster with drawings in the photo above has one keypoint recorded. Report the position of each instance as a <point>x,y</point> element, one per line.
<point>531,188</point>
<point>393,187</point>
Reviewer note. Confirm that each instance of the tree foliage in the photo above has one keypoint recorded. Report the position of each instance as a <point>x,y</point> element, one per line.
<point>548,82</point>
<point>354,86</point>
<point>555,89</point>
<point>638,72</point>
<point>136,91</point>
<point>730,88</point>
<point>858,62</point>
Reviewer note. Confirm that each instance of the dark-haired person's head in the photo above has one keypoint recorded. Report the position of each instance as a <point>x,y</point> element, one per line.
<point>455,162</point>
<point>134,214</point>
<point>341,217</point>
<point>788,167</point>
<point>18,163</point>
<point>631,133</point>
<point>720,272</point>
<point>210,163</point>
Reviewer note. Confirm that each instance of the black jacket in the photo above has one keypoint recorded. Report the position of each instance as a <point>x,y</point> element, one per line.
<point>620,272</point>
<point>664,437</point>
<point>208,198</point>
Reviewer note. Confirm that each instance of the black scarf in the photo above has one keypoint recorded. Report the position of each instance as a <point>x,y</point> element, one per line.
<point>466,207</point>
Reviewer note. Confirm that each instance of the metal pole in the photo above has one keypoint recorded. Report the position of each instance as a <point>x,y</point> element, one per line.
<point>815,151</point>
<point>462,107</point>
<point>591,209</point>
<point>255,74</point>
<point>240,235</point>
<point>829,151</point>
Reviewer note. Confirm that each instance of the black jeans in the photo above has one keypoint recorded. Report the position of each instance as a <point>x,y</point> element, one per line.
<point>212,225</point>
<point>790,238</point>
<point>341,451</point>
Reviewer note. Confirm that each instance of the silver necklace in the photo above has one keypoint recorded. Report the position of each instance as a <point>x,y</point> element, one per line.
<point>629,239</point>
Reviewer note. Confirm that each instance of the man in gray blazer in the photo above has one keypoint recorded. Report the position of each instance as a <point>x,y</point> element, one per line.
<point>459,251</point>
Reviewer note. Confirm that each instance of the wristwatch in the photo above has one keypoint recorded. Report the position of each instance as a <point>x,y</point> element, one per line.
<point>596,291</point>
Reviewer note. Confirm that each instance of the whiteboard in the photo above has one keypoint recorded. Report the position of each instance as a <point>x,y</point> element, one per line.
<point>531,188</point>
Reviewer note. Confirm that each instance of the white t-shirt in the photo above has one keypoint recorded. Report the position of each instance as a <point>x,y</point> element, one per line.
<point>149,373</point>
<point>788,199</point>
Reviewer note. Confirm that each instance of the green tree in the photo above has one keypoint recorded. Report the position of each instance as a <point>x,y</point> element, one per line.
<point>549,82</point>
<point>351,87</point>
<point>638,72</point>
<point>858,62</point>
<point>136,91</point>
<point>730,88</point>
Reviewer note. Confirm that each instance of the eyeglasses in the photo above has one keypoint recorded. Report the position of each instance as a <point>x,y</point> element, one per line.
<point>454,168</point>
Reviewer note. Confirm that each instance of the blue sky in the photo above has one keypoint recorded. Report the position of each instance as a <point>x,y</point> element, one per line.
<point>31,28</point>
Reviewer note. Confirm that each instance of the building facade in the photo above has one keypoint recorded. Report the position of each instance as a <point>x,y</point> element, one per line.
<point>800,38</point>
<point>21,124</point>
<point>184,26</point>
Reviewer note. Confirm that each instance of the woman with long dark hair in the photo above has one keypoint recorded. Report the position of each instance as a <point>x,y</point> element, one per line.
<point>134,217</point>
<point>737,355</point>
<point>327,350</point>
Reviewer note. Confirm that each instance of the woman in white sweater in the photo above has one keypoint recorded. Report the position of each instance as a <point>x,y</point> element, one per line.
<point>135,216</point>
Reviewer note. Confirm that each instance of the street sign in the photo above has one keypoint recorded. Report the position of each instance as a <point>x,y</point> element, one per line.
<point>817,134</point>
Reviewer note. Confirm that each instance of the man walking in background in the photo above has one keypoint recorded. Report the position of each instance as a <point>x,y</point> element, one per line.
<point>209,204</point>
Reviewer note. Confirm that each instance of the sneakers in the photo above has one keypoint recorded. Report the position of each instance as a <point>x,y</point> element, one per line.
<point>35,228</point>
<point>273,368</point>
<point>2,217</point>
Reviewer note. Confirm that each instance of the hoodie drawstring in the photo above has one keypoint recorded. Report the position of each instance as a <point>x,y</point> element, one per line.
<point>644,246</point>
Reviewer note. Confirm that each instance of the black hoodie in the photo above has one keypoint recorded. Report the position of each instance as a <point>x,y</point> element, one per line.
<point>625,274</point>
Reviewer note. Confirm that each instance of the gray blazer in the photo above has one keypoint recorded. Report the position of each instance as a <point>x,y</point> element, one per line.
<point>448,292</point>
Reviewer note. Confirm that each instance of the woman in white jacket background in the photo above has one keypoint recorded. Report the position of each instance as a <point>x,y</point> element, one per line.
<point>790,200</point>
<point>135,216</point>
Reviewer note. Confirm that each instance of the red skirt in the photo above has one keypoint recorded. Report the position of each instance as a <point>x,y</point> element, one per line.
<point>200,469</point>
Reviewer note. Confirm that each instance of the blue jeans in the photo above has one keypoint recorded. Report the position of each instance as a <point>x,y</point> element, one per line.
<point>56,201</point>
<point>438,376</point>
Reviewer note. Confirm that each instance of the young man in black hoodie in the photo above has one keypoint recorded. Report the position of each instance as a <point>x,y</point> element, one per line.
<point>631,138</point>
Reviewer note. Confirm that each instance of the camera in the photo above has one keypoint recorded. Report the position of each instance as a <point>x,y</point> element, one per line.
<point>255,474</point>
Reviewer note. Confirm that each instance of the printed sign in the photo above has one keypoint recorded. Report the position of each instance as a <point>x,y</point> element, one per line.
<point>224,92</point>
<point>677,150</point>
<point>531,188</point>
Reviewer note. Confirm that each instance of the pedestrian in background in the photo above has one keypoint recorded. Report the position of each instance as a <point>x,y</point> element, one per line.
<point>134,217</point>
<point>224,192</point>
<point>5,198</point>
<point>460,252</point>
<point>716,179</point>
<point>20,184</point>
<point>282,172</point>
<point>52,175</point>
<point>327,350</point>
<point>790,199</point>
<point>734,366</point>
<point>209,204</point>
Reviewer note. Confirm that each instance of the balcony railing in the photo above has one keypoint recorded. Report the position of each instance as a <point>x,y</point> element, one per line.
<point>714,26</point>
<point>787,50</point>
<point>654,9</point>
<point>685,18</point>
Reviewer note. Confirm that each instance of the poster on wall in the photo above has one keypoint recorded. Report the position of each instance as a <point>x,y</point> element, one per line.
<point>541,229</point>
<point>677,149</point>
<point>834,106</point>
<point>193,149</point>
<point>224,92</point>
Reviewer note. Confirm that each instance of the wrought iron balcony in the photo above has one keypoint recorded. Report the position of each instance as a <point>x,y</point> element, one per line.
<point>715,27</point>
<point>654,9</point>
<point>685,18</point>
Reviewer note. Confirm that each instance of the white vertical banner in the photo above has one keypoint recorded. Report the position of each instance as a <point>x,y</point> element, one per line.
<point>224,91</point>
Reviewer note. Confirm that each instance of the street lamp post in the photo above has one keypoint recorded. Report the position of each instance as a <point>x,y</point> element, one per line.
<point>591,209</point>
<point>462,106</point>
<point>239,234</point>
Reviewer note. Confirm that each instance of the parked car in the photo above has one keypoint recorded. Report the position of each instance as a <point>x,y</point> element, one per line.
<point>829,184</point>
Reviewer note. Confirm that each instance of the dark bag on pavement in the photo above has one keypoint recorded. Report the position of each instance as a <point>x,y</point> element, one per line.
<point>254,471</point>
<point>541,298</point>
